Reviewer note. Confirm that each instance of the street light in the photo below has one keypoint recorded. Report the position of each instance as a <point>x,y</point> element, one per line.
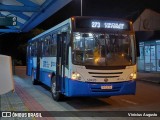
<point>81,7</point>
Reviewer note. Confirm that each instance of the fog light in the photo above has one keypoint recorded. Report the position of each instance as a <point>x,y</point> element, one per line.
<point>133,76</point>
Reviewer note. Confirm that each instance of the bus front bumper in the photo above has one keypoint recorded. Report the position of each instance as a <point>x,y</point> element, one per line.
<point>77,88</point>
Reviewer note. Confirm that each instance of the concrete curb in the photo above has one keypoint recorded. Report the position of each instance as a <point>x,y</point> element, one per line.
<point>149,77</point>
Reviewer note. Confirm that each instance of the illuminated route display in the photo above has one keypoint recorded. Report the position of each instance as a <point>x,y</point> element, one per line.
<point>101,23</point>
<point>114,25</point>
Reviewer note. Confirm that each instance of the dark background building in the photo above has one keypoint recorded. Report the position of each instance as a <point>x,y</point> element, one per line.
<point>147,27</point>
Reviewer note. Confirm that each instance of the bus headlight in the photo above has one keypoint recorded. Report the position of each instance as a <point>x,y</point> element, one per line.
<point>75,76</point>
<point>133,76</point>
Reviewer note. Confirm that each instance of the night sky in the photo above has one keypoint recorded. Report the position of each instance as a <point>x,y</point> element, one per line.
<point>128,9</point>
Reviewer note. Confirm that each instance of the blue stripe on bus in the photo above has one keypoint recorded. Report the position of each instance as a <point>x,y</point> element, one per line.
<point>44,76</point>
<point>74,88</point>
<point>93,89</point>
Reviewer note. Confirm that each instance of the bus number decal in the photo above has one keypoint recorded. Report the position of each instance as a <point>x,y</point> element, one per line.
<point>96,24</point>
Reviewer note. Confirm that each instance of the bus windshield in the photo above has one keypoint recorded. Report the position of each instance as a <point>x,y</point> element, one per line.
<point>107,49</point>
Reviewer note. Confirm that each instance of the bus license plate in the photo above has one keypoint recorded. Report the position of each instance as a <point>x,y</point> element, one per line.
<point>106,87</point>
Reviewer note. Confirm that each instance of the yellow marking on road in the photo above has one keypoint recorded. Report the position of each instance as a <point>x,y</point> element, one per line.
<point>127,101</point>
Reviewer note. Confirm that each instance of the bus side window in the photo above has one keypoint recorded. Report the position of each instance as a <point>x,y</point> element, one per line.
<point>67,47</point>
<point>53,46</point>
<point>29,48</point>
<point>33,49</point>
<point>45,46</point>
<point>41,47</point>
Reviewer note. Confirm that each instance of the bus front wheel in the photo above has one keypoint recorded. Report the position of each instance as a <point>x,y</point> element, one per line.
<point>57,96</point>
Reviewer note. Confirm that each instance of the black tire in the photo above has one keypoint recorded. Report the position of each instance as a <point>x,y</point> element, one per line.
<point>34,81</point>
<point>56,95</point>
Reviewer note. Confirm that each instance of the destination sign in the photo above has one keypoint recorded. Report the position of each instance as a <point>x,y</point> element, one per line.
<point>94,23</point>
<point>111,25</point>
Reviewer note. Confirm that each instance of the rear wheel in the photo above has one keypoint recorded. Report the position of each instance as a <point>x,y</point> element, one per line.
<point>57,96</point>
<point>34,81</point>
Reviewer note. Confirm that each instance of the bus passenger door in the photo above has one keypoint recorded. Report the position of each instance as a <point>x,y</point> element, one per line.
<point>61,61</point>
<point>39,55</point>
<point>29,61</point>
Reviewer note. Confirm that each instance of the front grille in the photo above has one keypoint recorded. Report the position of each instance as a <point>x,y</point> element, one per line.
<point>105,67</point>
<point>105,74</point>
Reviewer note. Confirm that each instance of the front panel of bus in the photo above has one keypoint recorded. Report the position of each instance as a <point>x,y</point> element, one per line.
<point>103,61</point>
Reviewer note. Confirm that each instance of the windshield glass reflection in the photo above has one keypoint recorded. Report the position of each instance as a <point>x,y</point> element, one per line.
<point>103,49</point>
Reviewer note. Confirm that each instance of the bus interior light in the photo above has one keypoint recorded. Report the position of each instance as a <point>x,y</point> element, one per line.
<point>96,60</point>
<point>72,18</point>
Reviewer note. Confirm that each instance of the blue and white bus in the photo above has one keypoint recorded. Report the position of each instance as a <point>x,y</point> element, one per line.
<point>85,56</point>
